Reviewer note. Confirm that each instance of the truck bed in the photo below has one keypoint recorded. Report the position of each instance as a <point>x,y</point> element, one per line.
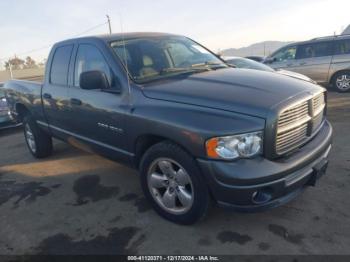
<point>25,92</point>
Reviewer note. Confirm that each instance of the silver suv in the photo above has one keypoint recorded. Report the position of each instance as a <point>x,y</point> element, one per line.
<point>325,60</point>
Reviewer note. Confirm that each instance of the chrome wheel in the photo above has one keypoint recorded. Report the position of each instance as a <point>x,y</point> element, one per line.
<point>30,138</point>
<point>170,186</point>
<point>343,82</point>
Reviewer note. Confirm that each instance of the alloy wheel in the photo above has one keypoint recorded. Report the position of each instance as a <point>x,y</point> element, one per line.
<point>343,82</point>
<point>170,186</point>
<point>29,137</point>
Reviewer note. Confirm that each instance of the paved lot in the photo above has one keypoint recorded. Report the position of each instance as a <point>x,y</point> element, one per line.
<point>78,203</point>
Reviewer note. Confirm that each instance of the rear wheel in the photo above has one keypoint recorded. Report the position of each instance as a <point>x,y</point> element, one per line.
<point>341,81</point>
<point>172,182</point>
<point>39,143</point>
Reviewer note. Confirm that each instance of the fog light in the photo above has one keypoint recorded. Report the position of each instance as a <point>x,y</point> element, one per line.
<point>261,197</point>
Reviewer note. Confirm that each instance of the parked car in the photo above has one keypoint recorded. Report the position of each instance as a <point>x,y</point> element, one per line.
<point>240,62</point>
<point>6,118</point>
<point>256,58</point>
<point>194,127</point>
<point>325,60</point>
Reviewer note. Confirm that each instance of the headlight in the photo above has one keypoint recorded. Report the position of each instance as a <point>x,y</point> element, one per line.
<point>237,146</point>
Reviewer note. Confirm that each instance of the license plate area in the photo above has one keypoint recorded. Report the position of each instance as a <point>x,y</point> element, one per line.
<point>318,171</point>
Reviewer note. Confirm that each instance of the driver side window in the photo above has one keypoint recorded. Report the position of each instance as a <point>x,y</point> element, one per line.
<point>89,58</point>
<point>286,54</point>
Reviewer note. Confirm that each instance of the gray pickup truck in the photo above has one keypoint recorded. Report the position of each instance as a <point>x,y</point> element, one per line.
<point>196,129</point>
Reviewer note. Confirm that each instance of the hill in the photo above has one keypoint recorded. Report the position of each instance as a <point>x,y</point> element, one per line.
<point>260,49</point>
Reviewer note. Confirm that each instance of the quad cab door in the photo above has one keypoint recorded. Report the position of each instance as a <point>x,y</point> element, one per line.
<point>97,116</point>
<point>55,91</point>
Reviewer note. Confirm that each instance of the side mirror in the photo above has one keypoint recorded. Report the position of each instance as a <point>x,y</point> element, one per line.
<point>93,80</point>
<point>269,60</point>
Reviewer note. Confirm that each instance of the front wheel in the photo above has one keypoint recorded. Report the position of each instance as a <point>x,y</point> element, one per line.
<point>173,184</point>
<point>341,81</point>
<point>39,143</point>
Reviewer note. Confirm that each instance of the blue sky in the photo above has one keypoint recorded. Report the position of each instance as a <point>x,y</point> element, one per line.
<point>27,25</point>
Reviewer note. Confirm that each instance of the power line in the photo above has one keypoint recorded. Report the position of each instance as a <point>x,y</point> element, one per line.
<point>90,29</point>
<point>49,45</point>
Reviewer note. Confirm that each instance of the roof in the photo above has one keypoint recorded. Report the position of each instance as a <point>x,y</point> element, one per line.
<point>332,37</point>
<point>120,36</point>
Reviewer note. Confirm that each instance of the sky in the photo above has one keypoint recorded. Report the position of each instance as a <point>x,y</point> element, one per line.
<point>37,24</point>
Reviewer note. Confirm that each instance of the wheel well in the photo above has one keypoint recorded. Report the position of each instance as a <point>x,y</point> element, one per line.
<point>340,71</point>
<point>21,111</point>
<point>143,143</point>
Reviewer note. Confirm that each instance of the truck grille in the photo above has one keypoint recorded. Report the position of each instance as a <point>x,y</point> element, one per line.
<point>318,104</point>
<point>299,122</point>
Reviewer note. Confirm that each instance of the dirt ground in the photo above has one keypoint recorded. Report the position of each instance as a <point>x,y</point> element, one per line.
<point>78,203</point>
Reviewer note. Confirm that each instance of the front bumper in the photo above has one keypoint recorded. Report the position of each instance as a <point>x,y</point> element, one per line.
<point>257,184</point>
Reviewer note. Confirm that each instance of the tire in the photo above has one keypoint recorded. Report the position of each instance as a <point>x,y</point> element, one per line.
<point>184,183</point>
<point>38,142</point>
<point>341,81</point>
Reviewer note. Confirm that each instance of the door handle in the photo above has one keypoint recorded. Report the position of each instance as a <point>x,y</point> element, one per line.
<point>302,63</point>
<point>75,101</point>
<point>290,64</point>
<point>47,96</point>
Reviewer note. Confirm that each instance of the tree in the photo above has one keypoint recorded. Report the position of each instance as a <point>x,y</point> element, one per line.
<point>16,63</point>
<point>30,62</point>
<point>42,63</point>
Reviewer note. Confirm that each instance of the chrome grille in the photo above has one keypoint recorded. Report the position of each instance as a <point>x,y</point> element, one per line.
<point>316,122</point>
<point>318,104</point>
<point>291,138</point>
<point>292,116</point>
<point>298,122</point>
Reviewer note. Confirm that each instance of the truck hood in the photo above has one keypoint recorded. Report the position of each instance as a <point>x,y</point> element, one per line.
<point>250,92</point>
<point>295,75</point>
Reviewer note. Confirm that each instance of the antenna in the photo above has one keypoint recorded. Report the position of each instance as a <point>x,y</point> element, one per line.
<point>109,24</point>
<point>125,55</point>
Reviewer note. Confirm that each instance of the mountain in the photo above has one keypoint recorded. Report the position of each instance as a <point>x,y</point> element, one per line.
<point>259,49</point>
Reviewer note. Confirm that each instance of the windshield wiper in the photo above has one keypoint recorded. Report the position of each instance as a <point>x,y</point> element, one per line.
<point>210,64</point>
<point>182,70</point>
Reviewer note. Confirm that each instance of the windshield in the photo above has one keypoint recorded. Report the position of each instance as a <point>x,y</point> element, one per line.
<point>152,58</point>
<point>249,64</point>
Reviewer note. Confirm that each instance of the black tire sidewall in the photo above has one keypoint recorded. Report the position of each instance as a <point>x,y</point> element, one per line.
<point>334,81</point>
<point>42,140</point>
<point>201,194</point>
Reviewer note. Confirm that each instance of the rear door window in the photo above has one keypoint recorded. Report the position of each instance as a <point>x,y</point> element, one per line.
<point>314,50</point>
<point>60,65</point>
<point>342,47</point>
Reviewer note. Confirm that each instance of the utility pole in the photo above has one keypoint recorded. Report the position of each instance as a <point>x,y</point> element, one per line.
<point>109,24</point>
<point>10,67</point>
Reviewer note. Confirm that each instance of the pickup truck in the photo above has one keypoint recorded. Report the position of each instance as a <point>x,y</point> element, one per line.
<point>196,129</point>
